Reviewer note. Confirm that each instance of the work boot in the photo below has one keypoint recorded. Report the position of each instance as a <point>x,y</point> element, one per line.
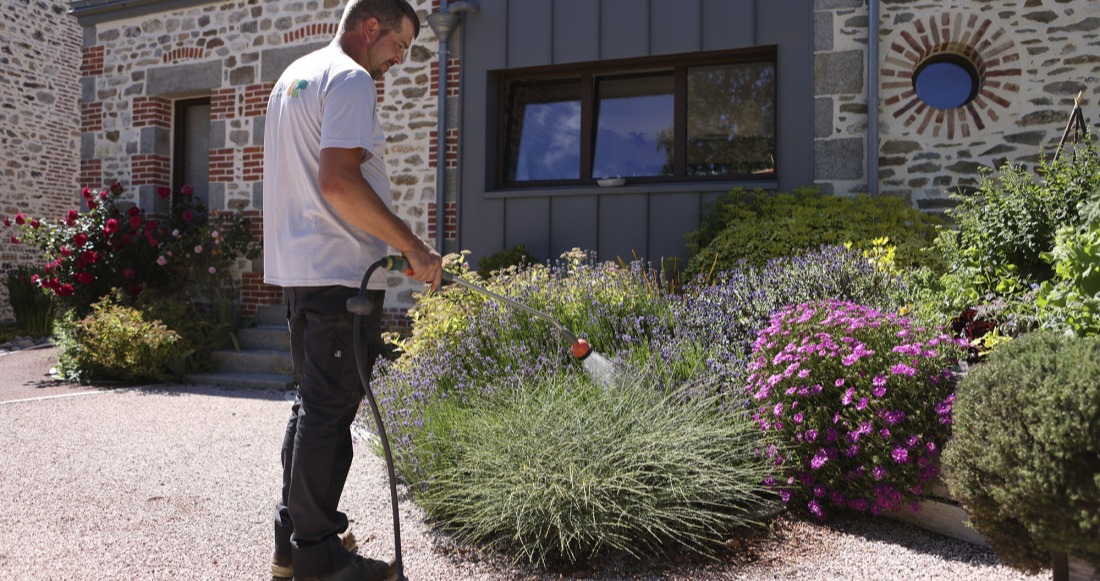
<point>282,566</point>
<point>360,569</point>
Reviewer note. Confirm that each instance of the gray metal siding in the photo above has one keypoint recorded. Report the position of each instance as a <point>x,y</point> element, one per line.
<point>526,221</point>
<point>622,223</point>
<point>674,26</point>
<point>624,26</point>
<point>576,31</point>
<point>574,221</point>
<point>649,221</point>
<point>729,24</point>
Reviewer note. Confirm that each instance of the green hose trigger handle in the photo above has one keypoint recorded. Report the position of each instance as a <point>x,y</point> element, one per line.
<point>400,263</point>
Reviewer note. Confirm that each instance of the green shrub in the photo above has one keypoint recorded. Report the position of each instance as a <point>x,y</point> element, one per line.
<point>759,225</point>
<point>1025,457</point>
<point>34,307</point>
<point>862,399</point>
<point>1071,299</point>
<point>515,256</point>
<point>567,471</point>
<point>1003,230</point>
<point>116,342</point>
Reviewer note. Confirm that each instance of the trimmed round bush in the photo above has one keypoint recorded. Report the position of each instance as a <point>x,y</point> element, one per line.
<point>1025,457</point>
<point>567,471</point>
<point>863,400</point>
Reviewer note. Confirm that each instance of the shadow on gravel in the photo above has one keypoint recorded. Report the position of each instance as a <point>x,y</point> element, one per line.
<point>173,389</point>
<point>913,538</point>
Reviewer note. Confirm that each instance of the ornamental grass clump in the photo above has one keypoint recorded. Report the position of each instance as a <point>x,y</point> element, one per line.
<point>863,399</point>
<point>567,470</point>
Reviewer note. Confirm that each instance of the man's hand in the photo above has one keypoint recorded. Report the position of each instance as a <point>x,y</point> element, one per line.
<point>426,264</point>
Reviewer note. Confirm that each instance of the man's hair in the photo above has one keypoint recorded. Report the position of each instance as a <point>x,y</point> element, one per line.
<point>388,12</point>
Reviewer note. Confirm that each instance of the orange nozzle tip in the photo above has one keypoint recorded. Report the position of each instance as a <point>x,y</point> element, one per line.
<point>581,349</point>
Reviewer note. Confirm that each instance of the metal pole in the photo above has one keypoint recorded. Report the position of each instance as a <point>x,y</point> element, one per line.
<point>872,96</point>
<point>441,140</point>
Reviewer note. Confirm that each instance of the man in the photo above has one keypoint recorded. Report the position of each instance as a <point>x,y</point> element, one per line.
<point>327,218</point>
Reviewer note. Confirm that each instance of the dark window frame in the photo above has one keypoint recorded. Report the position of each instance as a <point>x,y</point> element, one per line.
<point>179,141</point>
<point>586,73</point>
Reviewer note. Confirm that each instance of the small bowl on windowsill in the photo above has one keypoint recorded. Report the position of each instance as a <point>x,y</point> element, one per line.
<point>611,182</point>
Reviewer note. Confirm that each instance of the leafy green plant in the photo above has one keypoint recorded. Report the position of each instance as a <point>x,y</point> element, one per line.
<point>1002,231</point>
<point>116,342</point>
<point>34,308</point>
<point>517,256</point>
<point>1071,300</point>
<point>1023,459</point>
<point>862,398</point>
<point>567,470</point>
<point>759,225</point>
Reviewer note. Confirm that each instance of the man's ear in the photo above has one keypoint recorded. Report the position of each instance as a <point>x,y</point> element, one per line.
<point>371,29</point>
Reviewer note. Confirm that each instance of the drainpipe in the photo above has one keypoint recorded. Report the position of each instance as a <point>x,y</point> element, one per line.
<point>443,24</point>
<point>872,96</point>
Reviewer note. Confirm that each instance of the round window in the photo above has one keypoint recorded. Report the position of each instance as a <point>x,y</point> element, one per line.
<point>946,81</point>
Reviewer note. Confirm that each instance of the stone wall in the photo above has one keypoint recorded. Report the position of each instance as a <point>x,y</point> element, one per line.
<point>1035,56</point>
<point>233,52</point>
<point>39,119</point>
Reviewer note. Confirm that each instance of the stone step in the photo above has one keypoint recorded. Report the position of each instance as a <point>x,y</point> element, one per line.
<point>242,380</point>
<point>264,337</point>
<point>276,361</point>
<point>271,315</point>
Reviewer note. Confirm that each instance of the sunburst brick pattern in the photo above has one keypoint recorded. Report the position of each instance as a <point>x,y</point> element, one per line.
<point>989,48</point>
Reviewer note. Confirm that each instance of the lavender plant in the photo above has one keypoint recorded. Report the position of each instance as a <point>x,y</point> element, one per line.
<point>728,313</point>
<point>862,397</point>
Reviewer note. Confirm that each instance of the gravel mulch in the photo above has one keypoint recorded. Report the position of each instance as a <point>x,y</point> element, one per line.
<point>179,482</point>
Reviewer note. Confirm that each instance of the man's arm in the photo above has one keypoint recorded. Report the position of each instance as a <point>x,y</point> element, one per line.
<point>344,187</point>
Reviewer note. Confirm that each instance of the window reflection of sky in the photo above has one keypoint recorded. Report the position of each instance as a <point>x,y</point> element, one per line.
<point>944,85</point>
<point>627,138</point>
<point>549,148</point>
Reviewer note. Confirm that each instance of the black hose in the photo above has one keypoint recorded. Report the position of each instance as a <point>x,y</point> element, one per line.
<point>359,308</point>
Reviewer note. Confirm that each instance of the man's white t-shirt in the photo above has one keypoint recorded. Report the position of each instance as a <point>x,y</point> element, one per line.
<point>324,99</point>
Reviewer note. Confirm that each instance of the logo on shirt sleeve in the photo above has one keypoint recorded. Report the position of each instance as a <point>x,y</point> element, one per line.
<point>295,86</point>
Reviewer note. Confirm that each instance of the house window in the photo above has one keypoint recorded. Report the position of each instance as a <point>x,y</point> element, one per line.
<point>191,150</point>
<point>698,116</point>
<point>946,81</point>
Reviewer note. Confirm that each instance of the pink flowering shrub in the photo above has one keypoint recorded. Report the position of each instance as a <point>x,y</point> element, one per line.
<point>863,400</point>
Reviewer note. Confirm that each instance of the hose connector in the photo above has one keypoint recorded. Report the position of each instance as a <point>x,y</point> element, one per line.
<point>396,263</point>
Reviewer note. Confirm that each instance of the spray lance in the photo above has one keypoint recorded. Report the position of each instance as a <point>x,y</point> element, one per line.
<point>360,306</point>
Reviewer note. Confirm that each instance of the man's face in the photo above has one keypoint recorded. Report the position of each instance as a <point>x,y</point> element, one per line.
<point>388,48</point>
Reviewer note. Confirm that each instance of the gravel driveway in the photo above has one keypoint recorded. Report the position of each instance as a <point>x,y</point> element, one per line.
<point>179,482</point>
